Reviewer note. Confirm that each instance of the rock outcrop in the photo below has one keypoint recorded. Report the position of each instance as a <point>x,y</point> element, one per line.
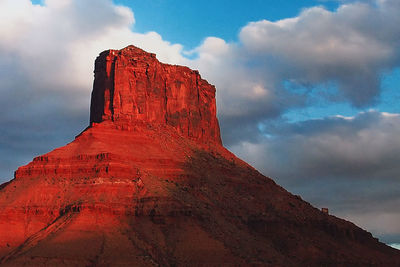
<point>149,183</point>
<point>131,85</point>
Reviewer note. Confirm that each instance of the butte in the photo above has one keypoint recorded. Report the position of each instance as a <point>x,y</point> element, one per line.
<point>149,182</point>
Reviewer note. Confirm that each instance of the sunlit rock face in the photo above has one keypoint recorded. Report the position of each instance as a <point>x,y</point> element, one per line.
<point>149,183</point>
<point>132,85</point>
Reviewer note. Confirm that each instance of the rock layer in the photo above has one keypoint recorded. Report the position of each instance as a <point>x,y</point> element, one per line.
<point>149,183</point>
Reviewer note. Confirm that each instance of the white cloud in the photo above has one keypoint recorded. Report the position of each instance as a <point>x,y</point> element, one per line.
<point>61,39</point>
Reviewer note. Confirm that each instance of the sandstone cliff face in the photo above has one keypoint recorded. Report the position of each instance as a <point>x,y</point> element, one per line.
<point>149,183</point>
<point>132,85</point>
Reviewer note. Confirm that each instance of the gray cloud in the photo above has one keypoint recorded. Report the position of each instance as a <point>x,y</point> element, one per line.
<point>365,146</point>
<point>350,165</point>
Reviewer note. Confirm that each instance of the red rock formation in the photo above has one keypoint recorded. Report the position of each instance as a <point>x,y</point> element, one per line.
<point>149,183</point>
<point>132,85</point>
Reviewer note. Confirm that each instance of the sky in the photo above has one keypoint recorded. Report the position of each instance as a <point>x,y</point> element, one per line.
<point>307,91</point>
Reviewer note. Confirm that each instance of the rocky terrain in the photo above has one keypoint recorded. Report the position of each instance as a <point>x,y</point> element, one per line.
<point>149,183</point>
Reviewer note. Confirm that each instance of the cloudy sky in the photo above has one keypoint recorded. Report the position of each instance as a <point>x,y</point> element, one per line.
<point>307,91</point>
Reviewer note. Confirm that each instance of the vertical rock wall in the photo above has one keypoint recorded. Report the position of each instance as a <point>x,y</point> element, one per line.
<point>132,85</point>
